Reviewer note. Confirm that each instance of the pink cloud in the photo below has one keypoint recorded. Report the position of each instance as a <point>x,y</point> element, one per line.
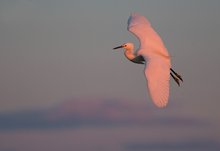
<point>110,110</point>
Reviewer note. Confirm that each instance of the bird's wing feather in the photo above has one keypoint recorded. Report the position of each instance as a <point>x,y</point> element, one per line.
<point>150,41</point>
<point>157,70</point>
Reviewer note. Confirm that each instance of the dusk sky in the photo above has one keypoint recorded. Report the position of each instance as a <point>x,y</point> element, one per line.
<point>57,55</point>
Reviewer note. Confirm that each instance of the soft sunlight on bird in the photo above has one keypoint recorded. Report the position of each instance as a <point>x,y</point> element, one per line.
<point>154,55</point>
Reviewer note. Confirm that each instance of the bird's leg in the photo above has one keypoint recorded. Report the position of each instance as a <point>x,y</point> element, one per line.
<point>176,74</point>
<point>176,79</point>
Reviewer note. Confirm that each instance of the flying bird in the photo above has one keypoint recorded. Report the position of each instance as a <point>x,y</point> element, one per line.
<point>153,53</point>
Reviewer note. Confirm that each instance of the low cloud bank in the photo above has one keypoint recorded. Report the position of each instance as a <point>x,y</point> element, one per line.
<point>78,113</point>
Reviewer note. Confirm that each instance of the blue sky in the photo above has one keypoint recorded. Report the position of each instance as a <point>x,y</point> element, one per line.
<point>54,51</point>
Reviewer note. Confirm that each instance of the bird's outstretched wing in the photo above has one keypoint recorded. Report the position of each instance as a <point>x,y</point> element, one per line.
<point>150,41</point>
<point>157,70</point>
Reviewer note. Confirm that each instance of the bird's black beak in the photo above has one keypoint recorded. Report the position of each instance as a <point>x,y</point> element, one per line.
<point>118,47</point>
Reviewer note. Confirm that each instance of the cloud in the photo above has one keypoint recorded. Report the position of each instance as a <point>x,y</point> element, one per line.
<point>89,112</point>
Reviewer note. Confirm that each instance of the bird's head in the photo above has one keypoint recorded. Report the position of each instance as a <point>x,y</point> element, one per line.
<point>127,46</point>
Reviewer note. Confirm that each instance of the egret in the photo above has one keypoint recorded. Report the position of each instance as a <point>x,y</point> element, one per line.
<point>153,53</point>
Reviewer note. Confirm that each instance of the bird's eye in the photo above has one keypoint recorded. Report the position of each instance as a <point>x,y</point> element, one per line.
<point>125,45</point>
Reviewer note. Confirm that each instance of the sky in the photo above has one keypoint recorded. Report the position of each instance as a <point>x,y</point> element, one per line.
<point>57,63</point>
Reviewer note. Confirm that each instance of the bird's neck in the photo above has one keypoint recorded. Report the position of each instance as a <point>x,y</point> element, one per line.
<point>129,53</point>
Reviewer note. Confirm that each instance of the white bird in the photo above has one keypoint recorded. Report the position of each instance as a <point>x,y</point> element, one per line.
<point>154,55</point>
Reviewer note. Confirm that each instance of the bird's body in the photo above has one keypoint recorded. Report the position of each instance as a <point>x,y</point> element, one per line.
<point>154,54</point>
